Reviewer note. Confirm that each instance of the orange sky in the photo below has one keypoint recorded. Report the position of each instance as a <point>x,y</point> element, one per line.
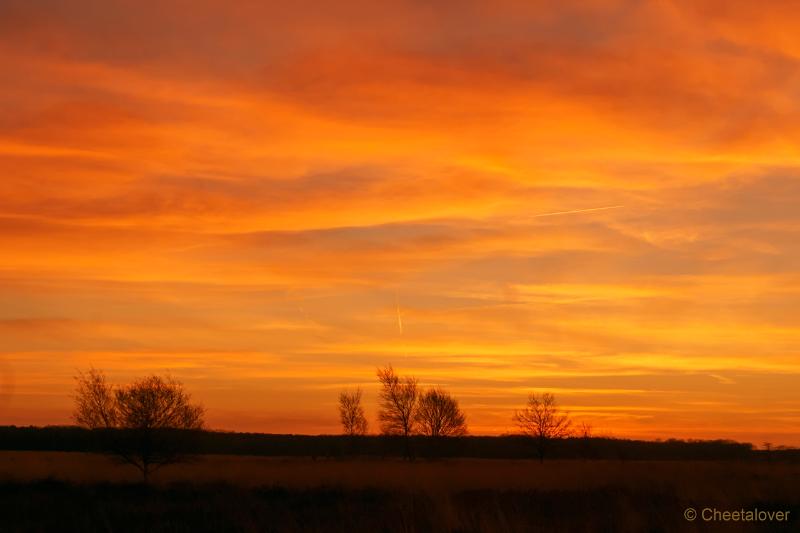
<point>244,194</point>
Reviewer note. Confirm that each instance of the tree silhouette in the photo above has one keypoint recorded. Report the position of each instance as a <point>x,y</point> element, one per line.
<point>148,414</point>
<point>94,401</point>
<point>351,413</point>
<point>439,415</point>
<point>398,402</point>
<point>543,420</point>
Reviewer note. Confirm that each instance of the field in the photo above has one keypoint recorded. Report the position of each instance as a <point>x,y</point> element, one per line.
<point>46,491</point>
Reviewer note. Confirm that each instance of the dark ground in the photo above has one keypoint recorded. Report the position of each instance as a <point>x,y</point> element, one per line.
<point>294,483</point>
<point>50,505</point>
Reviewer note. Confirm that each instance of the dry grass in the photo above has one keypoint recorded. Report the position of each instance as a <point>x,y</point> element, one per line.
<point>693,478</point>
<point>394,495</point>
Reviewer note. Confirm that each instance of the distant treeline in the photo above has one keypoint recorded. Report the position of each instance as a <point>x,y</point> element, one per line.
<point>69,438</point>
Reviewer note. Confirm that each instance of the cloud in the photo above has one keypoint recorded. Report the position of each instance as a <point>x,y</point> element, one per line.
<point>241,191</point>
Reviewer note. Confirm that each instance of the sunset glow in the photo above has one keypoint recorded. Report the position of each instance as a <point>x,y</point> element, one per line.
<point>596,199</point>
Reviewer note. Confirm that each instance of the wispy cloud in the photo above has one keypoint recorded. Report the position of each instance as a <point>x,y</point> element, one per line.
<point>598,199</point>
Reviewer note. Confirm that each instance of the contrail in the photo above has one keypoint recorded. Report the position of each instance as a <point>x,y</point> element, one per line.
<point>399,318</point>
<point>577,211</point>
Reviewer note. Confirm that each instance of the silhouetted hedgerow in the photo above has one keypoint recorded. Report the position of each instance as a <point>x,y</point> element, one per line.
<point>68,438</point>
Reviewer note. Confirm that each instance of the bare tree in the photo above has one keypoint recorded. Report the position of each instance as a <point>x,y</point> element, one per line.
<point>398,402</point>
<point>154,402</point>
<point>351,413</point>
<point>543,420</point>
<point>439,415</point>
<point>147,414</point>
<point>94,401</point>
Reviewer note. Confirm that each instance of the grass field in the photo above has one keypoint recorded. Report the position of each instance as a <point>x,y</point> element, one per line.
<point>88,492</point>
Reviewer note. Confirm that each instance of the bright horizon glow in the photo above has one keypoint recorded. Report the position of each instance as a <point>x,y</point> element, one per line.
<point>597,199</point>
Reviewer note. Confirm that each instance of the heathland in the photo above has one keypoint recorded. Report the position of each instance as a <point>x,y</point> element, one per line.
<point>367,484</point>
